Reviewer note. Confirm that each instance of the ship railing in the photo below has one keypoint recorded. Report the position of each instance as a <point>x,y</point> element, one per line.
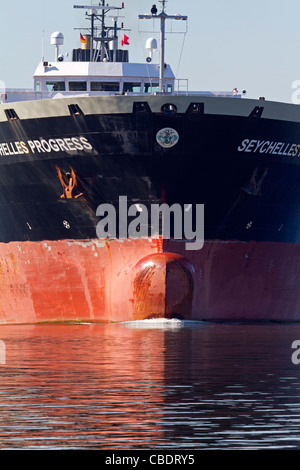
<point>29,95</point>
<point>13,95</point>
<point>220,94</point>
<point>181,86</point>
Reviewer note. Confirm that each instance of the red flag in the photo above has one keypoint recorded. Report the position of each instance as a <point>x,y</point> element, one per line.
<point>124,41</point>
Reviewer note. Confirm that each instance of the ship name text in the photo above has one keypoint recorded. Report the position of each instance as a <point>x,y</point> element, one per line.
<point>69,144</point>
<point>269,147</point>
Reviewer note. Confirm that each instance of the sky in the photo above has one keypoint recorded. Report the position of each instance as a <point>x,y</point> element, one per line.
<point>251,45</point>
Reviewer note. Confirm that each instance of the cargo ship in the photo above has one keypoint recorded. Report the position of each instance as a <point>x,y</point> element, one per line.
<point>98,143</point>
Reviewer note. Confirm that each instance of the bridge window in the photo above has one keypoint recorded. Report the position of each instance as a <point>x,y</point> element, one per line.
<point>132,87</point>
<point>77,86</point>
<point>105,86</point>
<point>56,86</point>
<point>154,88</point>
<point>151,87</point>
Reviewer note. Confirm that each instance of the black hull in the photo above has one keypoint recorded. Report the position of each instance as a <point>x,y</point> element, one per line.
<point>205,167</point>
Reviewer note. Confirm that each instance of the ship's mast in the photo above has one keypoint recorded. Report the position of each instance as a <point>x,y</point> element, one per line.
<point>162,16</point>
<point>98,12</point>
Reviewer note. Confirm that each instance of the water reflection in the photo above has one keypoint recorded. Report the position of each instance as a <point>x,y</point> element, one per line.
<point>149,386</point>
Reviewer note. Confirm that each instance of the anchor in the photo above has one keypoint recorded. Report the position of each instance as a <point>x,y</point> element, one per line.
<point>70,186</point>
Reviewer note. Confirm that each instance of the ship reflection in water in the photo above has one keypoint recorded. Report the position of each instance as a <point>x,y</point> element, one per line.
<point>149,386</point>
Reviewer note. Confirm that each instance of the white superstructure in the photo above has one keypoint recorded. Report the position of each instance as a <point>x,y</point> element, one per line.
<point>100,68</point>
<point>92,78</point>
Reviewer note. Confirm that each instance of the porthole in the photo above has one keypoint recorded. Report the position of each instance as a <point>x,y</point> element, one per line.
<point>169,109</point>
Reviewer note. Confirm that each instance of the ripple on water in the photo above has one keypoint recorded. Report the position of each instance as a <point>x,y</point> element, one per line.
<point>163,384</point>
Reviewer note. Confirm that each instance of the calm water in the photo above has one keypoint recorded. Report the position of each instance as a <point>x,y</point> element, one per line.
<point>152,386</point>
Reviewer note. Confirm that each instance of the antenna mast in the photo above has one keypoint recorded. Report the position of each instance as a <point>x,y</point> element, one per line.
<point>98,12</point>
<point>162,17</point>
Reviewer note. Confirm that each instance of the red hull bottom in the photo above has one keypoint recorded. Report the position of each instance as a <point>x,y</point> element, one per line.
<point>244,280</point>
<point>123,280</point>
